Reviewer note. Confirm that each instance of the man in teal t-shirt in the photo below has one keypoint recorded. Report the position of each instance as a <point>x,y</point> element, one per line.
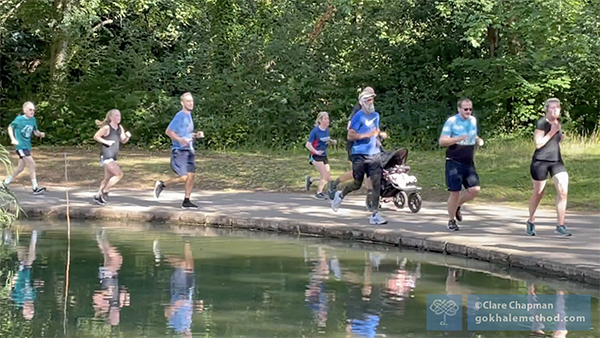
<point>20,131</point>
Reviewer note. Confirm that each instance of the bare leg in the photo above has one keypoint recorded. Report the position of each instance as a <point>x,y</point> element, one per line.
<point>467,195</point>
<point>116,174</point>
<point>536,197</point>
<point>323,170</point>
<point>561,181</point>
<point>189,184</point>
<point>30,163</point>
<point>453,201</point>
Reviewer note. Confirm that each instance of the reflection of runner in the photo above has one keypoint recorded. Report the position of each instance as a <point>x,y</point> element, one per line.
<point>537,328</point>
<point>109,300</point>
<point>23,293</point>
<point>315,295</point>
<point>179,311</point>
<point>400,284</point>
<point>363,314</point>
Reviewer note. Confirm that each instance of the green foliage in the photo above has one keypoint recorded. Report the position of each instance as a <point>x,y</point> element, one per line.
<point>9,208</point>
<point>260,70</point>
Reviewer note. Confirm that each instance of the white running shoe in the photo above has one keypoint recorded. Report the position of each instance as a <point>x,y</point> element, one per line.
<point>377,219</point>
<point>337,201</point>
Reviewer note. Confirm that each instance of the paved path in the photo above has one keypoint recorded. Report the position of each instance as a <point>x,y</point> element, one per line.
<point>490,233</point>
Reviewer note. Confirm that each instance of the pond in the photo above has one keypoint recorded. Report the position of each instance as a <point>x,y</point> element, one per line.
<point>152,280</point>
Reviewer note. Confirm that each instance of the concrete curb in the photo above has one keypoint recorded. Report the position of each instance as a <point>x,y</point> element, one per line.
<point>577,272</point>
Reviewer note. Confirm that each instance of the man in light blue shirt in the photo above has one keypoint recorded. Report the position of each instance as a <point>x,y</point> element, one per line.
<point>181,132</point>
<point>366,159</point>
<point>460,135</point>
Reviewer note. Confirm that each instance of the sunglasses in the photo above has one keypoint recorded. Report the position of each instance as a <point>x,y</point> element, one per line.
<point>467,109</point>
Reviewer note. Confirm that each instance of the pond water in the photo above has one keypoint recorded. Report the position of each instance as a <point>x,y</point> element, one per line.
<point>141,280</point>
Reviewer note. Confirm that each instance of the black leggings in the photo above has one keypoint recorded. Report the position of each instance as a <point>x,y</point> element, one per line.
<point>370,165</point>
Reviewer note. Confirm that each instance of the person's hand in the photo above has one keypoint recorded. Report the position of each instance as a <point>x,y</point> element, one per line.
<point>128,134</point>
<point>41,135</point>
<point>184,142</point>
<point>480,142</point>
<point>383,134</point>
<point>199,134</point>
<point>555,127</point>
<point>14,142</point>
<point>109,142</point>
<point>562,136</point>
<point>374,132</point>
<point>319,152</point>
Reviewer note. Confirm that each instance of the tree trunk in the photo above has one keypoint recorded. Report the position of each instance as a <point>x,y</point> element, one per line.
<point>60,43</point>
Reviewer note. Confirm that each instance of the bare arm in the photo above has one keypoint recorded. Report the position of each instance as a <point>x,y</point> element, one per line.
<point>100,134</point>
<point>540,139</point>
<point>312,149</point>
<point>11,133</point>
<point>446,141</point>
<point>176,137</point>
<point>353,135</point>
<point>124,137</point>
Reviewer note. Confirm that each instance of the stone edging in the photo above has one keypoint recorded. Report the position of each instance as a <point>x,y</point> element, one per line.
<point>508,258</point>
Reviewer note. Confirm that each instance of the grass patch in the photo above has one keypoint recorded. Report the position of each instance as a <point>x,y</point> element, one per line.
<point>503,167</point>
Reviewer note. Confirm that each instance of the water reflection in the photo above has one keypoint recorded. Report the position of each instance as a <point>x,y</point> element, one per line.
<point>537,328</point>
<point>181,307</point>
<point>23,290</point>
<point>249,287</point>
<point>111,297</point>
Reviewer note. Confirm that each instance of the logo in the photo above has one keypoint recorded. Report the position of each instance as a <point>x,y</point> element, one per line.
<point>444,312</point>
<point>26,131</point>
<point>369,123</point>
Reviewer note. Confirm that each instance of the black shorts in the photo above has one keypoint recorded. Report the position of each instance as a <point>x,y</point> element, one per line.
<point>459,175</point>
<point>23,152</point>
<point>539,169</point>
<point>366,164</point>
<point>183,161</point>
<point>318,158</point>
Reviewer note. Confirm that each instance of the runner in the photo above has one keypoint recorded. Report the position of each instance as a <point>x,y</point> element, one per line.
<point>460,135</point>
<point>181,132</point>
<point>20,131</point>
<point>347,176</point>
<point>366,159</point>
<point>548,160</point>
<point>110,135</point>
<point>317,145</point>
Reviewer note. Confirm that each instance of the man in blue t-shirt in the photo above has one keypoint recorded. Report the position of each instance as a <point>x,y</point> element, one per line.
<point>347,176</point>
<point>460,135</point>
<point>181,132</point>
<point>364,132</point>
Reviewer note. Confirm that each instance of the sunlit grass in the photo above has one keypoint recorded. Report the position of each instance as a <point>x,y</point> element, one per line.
<point>503,167</point>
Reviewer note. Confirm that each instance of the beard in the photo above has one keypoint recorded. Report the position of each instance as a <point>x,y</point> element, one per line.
<point>368,107</point>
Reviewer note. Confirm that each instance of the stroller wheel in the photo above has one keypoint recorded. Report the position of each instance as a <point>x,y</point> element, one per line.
<point>414,202</point>
<point>400,200</point>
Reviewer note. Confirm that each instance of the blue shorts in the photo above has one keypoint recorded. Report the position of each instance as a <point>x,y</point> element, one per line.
<point>459,175</point>
<point>183,161</point>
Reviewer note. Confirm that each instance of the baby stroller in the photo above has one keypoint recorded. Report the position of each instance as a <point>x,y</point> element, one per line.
<point>396,184</point>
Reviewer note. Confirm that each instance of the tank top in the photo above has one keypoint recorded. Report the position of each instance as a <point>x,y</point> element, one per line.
<point>113,150</point>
